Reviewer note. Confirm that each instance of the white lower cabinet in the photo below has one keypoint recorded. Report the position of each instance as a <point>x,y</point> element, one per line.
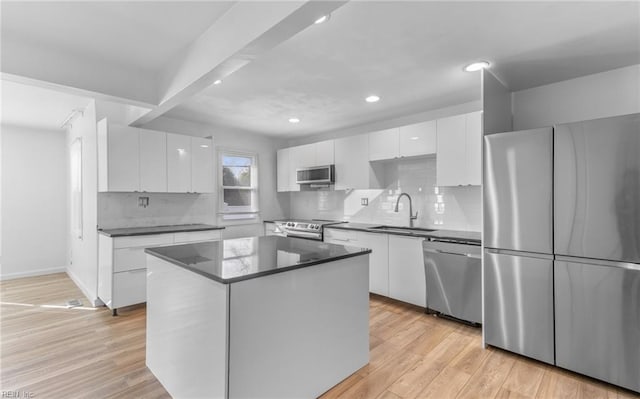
<point>406,270</point>
<point>122,264</point>
<point>378,259</point>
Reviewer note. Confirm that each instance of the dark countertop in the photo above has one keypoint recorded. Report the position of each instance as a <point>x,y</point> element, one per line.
<point>141,231</point>
<point>457,235</point>
<point>229,261</point>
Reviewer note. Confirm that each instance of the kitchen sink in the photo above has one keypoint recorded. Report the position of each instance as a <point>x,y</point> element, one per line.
<point>400,229</point>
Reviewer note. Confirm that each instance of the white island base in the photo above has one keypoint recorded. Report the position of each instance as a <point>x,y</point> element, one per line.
<point>293,334</point>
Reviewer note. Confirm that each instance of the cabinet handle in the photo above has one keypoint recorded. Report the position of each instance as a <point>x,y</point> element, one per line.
<point>137,271</point>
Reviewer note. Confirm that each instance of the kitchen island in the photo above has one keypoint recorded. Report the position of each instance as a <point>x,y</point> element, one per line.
<point>268,317</point>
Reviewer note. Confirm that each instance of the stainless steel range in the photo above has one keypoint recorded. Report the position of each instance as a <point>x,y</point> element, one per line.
<point>310,229</point>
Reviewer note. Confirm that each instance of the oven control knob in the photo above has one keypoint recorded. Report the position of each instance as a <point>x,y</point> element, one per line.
<point>315,226</point>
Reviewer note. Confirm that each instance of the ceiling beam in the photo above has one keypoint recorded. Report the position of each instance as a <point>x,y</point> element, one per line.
<point>241,35</point>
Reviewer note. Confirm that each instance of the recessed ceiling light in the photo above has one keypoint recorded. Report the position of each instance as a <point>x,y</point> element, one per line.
<point>372,99</point>
<point>217,82</point>
<point>322,19</point>
<point>476,66</point>
<point>204,146</point>
<point>415,138</point>
<point>294,120</point>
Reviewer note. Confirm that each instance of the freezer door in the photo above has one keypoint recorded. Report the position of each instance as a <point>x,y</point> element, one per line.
<point>597,189</point>
<point>518,303</point>
<point>518,173</point>
<point>598,321</point>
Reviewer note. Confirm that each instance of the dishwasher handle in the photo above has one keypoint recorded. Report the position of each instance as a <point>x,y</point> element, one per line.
<point>438,251</point>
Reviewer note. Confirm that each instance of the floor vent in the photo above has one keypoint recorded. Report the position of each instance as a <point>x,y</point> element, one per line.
<point>74,303</point>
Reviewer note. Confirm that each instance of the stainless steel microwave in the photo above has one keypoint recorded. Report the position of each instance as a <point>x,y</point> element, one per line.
<point>316,175</point>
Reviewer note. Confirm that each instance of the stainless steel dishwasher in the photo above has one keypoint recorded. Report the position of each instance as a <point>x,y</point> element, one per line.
<point>453,279</point>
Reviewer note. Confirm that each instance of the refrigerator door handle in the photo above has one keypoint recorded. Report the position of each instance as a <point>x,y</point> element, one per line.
<point>599,262</point>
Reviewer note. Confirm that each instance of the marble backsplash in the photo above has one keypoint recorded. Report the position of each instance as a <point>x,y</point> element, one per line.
<point>119,210</point>
<point>452,208</point>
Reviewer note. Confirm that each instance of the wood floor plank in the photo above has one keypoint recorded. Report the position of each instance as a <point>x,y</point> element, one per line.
<point>447,385</point>
<point>525,377</point>
<point>488,379</point>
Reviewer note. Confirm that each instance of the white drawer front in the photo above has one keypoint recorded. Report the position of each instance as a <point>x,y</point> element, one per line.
<point>340,236</point>
<point>129,288</point>
<point>193,236</point>
<point>125,259</point>
<point>153,240</point>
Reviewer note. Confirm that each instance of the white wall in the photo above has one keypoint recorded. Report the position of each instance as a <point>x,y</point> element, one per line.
<point>83,267</point>
<point>611,93</point>
<point>34,201</point>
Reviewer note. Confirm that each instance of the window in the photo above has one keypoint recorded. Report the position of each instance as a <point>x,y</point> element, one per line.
<point>239,177</point>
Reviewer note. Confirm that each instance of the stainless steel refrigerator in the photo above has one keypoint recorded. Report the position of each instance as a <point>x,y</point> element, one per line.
<point>562,232</point>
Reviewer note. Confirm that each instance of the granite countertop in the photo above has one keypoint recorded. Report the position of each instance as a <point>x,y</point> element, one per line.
<point>456,235</point>
<point>141,231</point>
<point>229,261</point>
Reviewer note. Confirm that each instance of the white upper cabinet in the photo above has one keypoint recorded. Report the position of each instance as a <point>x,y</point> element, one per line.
<point>153,161</point>
<point>384,144</point>
<point>352,162</point>
<point>283,165</point>
<point>178,163</point>
<point>324,153</point>
<point>460,150</point>
<point>451,165</point>
<point>201,165</point>
<point>474,148</point>
<point>118,158</point>
<point>418,139</point>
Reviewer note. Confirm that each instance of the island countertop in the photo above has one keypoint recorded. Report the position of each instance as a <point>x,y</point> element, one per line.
<point>229,261</point>
<point>140,231</point>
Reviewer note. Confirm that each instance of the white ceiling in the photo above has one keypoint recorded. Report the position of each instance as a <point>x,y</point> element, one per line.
<point>35,107</point>
<point>140,34</point>
<point>412,54</point>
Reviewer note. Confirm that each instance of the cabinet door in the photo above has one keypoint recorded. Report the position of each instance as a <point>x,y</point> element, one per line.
<point>352,162</point>
<point>474,148</point>
<point>283,166</point>
<point>202,168</point>
<point>418,139</point>
<point>153,161</point>
<point>324,153</point>
<point>407,280</point>
<point>123,158</point>
<point>178,163</point>
<point>378,261</point>
<point>451,148</point>
<point>384,144</point>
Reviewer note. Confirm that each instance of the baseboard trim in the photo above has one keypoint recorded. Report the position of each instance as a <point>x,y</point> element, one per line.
<point>95,301</point>
<point>32,273</point>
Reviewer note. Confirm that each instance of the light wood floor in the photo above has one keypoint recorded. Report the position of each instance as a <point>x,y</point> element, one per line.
<point>55,352</point>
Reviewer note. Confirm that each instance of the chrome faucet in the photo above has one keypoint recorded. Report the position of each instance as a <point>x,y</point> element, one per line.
<point>412,217</point>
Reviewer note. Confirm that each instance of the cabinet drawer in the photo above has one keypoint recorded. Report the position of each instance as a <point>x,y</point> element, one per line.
<point>129,288</point>
<point>340,236</point>
<point>146,241</point>
<point>125,259</point>
<point>193,236</point>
